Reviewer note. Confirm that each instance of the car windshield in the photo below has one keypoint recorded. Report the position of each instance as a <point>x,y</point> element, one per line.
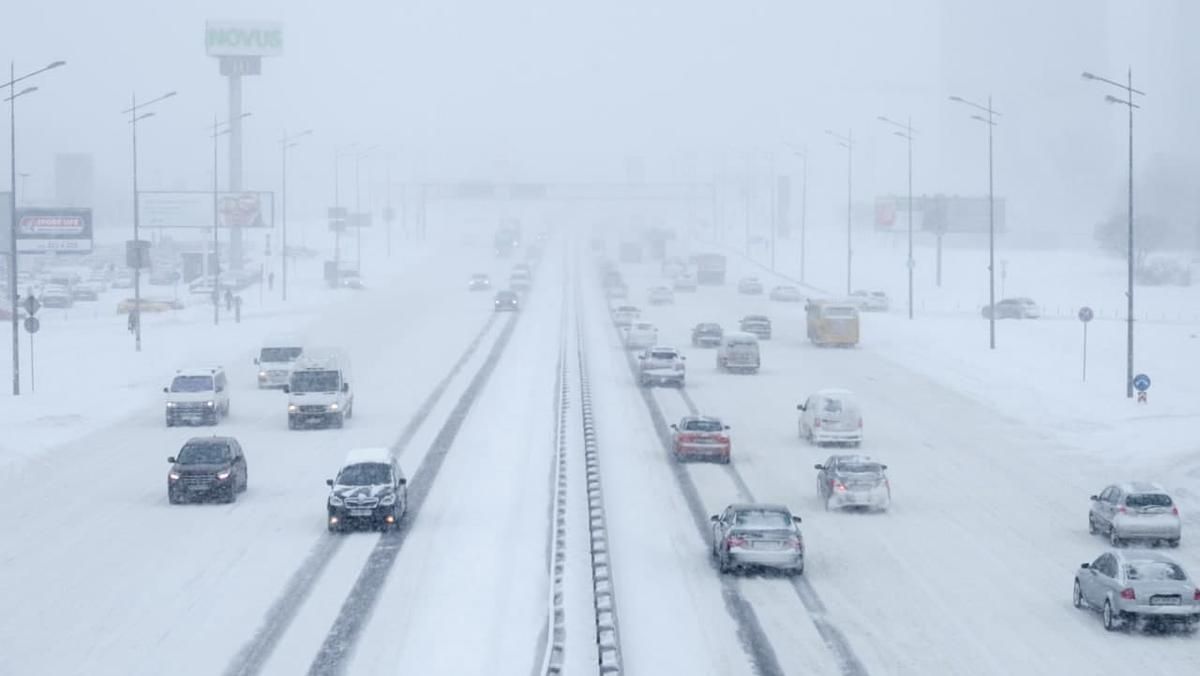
<point>662,354</point>
<point>192,384</point>
<point>506,295</point>
<point>279,354</point>
<point>762,519</point>
<point>208,453</point>
<point>314,381</point>
<point>832,405</point>
<point>703,426</point>
<point>1154,570</point>
<point>861,468</point>
<point>366,474</point>
<point>643,327</point>
<point>1138,500</point>
<point>708,328</point>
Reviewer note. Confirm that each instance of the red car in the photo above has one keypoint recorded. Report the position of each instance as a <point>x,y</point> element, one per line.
<point>702,437</point>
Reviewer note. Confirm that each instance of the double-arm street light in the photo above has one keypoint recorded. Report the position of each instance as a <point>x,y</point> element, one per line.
<point>802,153</point>
<point>990,121</point>
<point>134,117</point>
<point>1127,87</point>
<point>358,158</point>
<point>285,143</point>
<point>14,294</point>
<point>905,131</point>
<point>217,133</point>
<point>847,142</point>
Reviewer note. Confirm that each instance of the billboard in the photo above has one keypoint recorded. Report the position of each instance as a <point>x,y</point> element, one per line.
<point>54,230</point>
<point>190,209</point>
<point>243,38</point>
<point>939,213</point>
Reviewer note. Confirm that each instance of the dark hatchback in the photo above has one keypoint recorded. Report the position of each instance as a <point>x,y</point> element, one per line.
<point>207,468</point>
<point>507,301</point>
<point>707,334</point>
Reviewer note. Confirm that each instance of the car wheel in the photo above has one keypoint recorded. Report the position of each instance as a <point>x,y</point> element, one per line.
<point>291,424</point>
<point>798,571</point>
<point>338,421</point>
<point>1077,596</point>
<point>245,481</point>
<point>333,528</point>
<point>723,564</point>
<point>214,418</point>
<point>1113,538</point>
<point>350,411</point>
<point>172,498</point>
<point>170,423</point>
<point>230,495</point>
<point>1111,622</point>
<point>1092,529</point>
<point>725,459</point>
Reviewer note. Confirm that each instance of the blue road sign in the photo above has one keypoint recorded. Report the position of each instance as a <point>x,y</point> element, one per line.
<point>1141,382</point>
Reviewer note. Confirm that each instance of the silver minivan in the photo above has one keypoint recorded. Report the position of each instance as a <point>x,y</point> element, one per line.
<point>1135,510</point>
<point>738,352</point>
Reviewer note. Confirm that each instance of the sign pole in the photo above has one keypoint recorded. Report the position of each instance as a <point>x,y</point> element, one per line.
<point>32,373</point>
<point>1085,327</point>
<point>1086,315</point>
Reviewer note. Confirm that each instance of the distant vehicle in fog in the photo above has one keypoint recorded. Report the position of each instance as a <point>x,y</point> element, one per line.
<point>625,315</point>
<point>870,301</point>
<point>684,282</point>
<point>759,325</point>
<point>739,351</point>
<point>1013,308</point>
<point>506,301</point>
<point>640,335</point>
<point>786,294</point>
<point>660,295</point>
<point>707,334</point>
<point>661,366</point>
<point>750,286</point>
<point>479,282</point>
<point>831,323</point>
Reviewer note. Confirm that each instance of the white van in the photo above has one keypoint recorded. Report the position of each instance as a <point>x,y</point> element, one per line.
<point>738,352</point>
<point>319,392</point>
<point>831,417</point>
<point>275,360</point>
<point>198,395</point>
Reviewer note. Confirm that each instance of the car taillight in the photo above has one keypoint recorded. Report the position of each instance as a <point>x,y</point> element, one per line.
<point>721,438</point>
<point>734,541</point>
<point>1196,596</point>
<point>860,423</point>
<point>817,422</point>
<point>1127,594</point>
<point>839,486</point>
<point>1175,510</point>
<point>797,543</point>
<point>1121,509</point>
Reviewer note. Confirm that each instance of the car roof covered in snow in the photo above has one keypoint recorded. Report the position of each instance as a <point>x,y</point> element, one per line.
<point>198,371</point>
<point>1140,487</point>
<point>835,393</point>
<point>759,507</point>
<point>367,455</point>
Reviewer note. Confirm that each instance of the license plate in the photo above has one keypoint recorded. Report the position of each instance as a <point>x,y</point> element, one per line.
<point>1164,601</point>
<point>198,487</point>
<point>360,512</point>
<point>768,544</point>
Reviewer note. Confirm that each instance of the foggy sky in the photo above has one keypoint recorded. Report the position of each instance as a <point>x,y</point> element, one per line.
<point>536,89</point>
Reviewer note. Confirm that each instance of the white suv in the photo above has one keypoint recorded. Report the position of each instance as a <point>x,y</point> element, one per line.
<point>661,366</point>
<point>197,395</point>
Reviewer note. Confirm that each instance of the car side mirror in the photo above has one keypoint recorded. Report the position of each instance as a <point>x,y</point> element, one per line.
<point>820,467</point>
<point>674,426</point>
<point>883,466</point>
<point>727,427</point>
<point>801,407</point>
<point>714,518</point>
<point>256,360</point>
<point>345,387</point>
<point>796,519</point>
<point>166,390</point>
<point>641,356</point>
<point>683,357</point>
<point>287,389</point>
<point>403,481</point>
<point>329,482</point>
<point>1085,565</point>
<point>1094,497</point>
<point>171,460</point>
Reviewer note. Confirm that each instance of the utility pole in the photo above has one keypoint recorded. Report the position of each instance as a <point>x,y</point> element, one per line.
<point>906,132</point>
<point>847,142</point>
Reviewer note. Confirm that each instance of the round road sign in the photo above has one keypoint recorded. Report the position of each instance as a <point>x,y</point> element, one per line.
<point>1086,314</point>
<point>1141,382</point>
<point>32,324</point>
<point>31,305</point>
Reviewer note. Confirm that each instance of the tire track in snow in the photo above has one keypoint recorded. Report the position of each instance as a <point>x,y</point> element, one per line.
<point>336,649</point>
<point>255,653</point>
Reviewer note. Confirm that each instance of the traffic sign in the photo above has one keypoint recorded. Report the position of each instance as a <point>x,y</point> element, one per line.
<point>1141,382</point>
<point>1085,314</point>
<point>31,305</point>
<point>32,324</point>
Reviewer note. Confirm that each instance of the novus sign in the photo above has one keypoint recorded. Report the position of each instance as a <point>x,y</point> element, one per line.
<point>244,38</point>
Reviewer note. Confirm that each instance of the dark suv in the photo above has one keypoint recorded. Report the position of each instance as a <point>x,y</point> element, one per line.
<point>207,467</point>
<point>506,301</point>
<point>370,490</point>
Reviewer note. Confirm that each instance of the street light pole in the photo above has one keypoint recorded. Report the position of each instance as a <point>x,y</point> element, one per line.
<point>217,133</point>
<point>13,292</point>
<point>1127,87</point>
<point>134,117</point>
<point>847,142</point>
<point>285,143</point>
<point>991,123</point>
<point>907,135</point>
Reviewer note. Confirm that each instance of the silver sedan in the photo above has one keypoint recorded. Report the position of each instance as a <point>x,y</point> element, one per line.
<point>757,536</point>
<point>1138,589</point>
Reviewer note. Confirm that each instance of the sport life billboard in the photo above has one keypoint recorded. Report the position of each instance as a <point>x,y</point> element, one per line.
<point>939,213</point>
<point>246,209</point>
<point>243,38</point>
<point>54,230</point>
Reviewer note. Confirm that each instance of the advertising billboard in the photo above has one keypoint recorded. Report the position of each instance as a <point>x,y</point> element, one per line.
<point>54,230</point>
<point>243,38</point>
<point>247,209</point>
<point>939,213</point>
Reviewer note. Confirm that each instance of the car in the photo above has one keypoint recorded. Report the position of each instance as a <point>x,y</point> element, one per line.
<point>148,305</point>
<point>1135,510</point>
<point>369,490</point>
<point>673,266</point>
<point>57,296</point>
<point>617,291</point>
<point>1137,589</point>
<point>701,436</point>
<point>831,416</point>
<point>197,395</point>
<point>523,269</point>
<point>751,535</point>
<point>520,280</point>
<point>1013,308</point>
<point>123,280</point>
<point>786,294</point>
<point>853,481</point>
<point>640,335</point>
<point>479,282</point>
<point>87,291</point>
<point>506,301</point>
<point>738,351</point>
<point>275,360</point>
<point>660,295</point>
<point>759,325</point>
<point>318,389</point>
<point>870,301</point>
<point>661,366</point>
<point>626,315</point>
<point>750,286</point>
<point>207,467</point>
<point>684,282</point>
<point>707,334</point>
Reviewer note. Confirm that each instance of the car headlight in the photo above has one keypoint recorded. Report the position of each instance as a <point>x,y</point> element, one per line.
<point>170,404</point>
<point>333,407</point>
<point>262,374</point>
<point>209,404</point>
<point>389,499</point>
<point>224,474</point>
<point>173,476</point>
<point>291,408</point>
<point>335,501</point>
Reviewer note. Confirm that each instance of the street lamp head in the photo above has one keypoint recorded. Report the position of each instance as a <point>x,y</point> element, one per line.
<point>144,116</point>
<point>56,64</point>
<point>168,95</point>
<point>957,98</point>
<point>1087,76</point>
